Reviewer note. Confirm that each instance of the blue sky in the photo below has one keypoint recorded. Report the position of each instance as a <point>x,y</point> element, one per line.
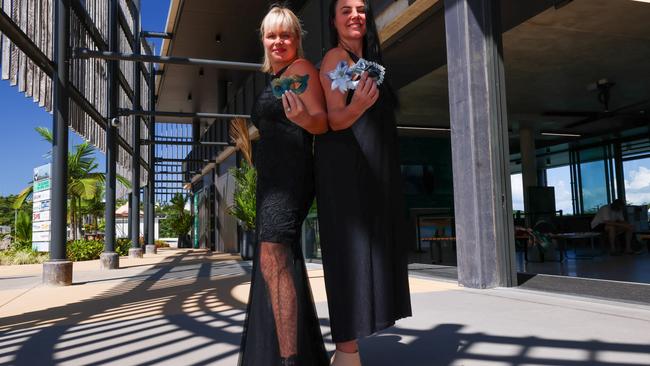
<point>21,148</point>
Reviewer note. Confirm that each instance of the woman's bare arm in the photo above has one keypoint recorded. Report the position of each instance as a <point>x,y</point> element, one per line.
<point>339,115</point>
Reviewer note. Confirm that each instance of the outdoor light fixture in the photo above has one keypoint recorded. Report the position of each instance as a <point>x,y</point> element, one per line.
<point>189,96</point>
<point>217,38</point>
<point>115,122</point>
<point>416,128</point>
<point>561,134</point>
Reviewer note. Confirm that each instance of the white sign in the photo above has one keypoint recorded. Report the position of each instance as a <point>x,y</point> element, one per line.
<point>41,226</point>
<point>42,196</point>
<point>42,172</point>
<point>41,216</point>
<point>41,206</point>
<point>41,246</point>
<point>41,236</point>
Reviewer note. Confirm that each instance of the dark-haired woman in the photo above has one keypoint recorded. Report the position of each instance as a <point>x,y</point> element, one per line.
<point>282,326</point>
<point>363,229</point>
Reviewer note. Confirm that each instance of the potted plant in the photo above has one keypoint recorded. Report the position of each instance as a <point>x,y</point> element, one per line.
<point>179,220</point>
<point>244,205</point>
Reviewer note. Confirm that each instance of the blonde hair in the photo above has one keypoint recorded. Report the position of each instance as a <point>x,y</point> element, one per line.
<point>281,17</point>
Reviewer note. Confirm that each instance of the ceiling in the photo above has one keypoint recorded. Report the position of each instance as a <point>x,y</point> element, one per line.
<point>550,59</point>
<point>197,27</point>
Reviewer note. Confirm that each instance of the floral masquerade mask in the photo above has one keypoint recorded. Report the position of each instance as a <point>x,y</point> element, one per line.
<point>295,83</point>
<point>346,77</point>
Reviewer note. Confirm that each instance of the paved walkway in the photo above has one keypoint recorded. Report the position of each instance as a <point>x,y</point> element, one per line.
<point>186,308</point>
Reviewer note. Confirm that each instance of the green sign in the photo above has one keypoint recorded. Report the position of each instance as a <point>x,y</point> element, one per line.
<point>42,185</point>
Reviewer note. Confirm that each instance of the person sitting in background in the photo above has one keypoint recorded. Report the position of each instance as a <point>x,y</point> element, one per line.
<point>611,220</point>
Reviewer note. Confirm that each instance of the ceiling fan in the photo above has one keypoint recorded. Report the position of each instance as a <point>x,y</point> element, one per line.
<point>603,86</point>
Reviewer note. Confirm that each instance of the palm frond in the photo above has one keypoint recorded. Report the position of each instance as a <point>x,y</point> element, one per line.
<point>239,135</point>
<point>125,182</point>
<point>22,196</point>
<point>45,133</point>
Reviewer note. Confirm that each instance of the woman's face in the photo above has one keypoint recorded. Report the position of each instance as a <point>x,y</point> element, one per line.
<point>350,20</point>
<point>281,45</point>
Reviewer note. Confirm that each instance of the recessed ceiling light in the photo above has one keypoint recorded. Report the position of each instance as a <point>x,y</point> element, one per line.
<point>559,134</point>
<point>416,128</point>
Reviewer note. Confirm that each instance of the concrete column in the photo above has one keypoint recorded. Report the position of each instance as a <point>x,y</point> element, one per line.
<point>109,259</point>
<point>480,156</point>
<point>528,162</point>
<point>58,270</point>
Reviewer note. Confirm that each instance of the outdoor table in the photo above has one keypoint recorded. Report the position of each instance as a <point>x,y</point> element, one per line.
<point>438,240</point>
<point>580,235</point>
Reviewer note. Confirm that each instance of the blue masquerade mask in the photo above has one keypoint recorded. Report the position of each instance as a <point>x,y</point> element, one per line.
<point>346,77</point>
<point>294,83</point>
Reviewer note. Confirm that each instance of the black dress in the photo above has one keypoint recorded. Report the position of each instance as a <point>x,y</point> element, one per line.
<point>285,191</point>
<point>363,228</point>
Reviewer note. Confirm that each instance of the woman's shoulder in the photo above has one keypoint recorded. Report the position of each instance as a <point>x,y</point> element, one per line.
<point>333,57</point>
<point>301,65</point>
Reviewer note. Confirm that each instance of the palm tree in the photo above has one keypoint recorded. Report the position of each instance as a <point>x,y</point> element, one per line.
<point>94,207</point>
<point>83,181</point>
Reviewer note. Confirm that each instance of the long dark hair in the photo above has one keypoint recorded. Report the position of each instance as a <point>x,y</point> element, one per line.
<point>371,49</point>
<point>371,44</point>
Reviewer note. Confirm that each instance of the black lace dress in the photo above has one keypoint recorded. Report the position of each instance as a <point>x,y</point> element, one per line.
<point>363,227</point>
<point>280,291</point>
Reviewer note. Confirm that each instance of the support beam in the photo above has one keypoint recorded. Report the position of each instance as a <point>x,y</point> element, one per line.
<point>163,35</point>
<point>128,112</point>
<point>187,143</point>
<point>109,259</point>
<point>184,160</point>
<point>482,197</point>
<point>134,210</point>
<point>58,270</point>
<point>84,53</point>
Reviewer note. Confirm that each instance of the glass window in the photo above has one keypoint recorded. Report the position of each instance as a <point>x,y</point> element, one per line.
<point>594,186</point>
<point>517,187</point>
<point>637,181</point>
<point>560,179</point>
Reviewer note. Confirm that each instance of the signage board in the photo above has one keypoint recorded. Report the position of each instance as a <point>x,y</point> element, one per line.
<point>41,196</point>
<point>41,206</point>
<point>42,185</point>
<point>42,193</point>
<point>41,216</point>
<point>41,226</point>
<point>41,236</point>
<point>41,246</point>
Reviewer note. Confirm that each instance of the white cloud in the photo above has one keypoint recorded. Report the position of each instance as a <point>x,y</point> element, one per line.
<point>637,187</point>
<point>640,179</point>
<point>563,198</point>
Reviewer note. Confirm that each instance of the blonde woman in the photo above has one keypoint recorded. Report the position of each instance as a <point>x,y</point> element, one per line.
<point>282,326</point>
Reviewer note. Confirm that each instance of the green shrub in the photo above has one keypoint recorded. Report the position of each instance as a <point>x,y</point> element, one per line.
<point>122,246</point>
<point>161,244</point>
<point>23,256</point>
<point>84,250</point>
